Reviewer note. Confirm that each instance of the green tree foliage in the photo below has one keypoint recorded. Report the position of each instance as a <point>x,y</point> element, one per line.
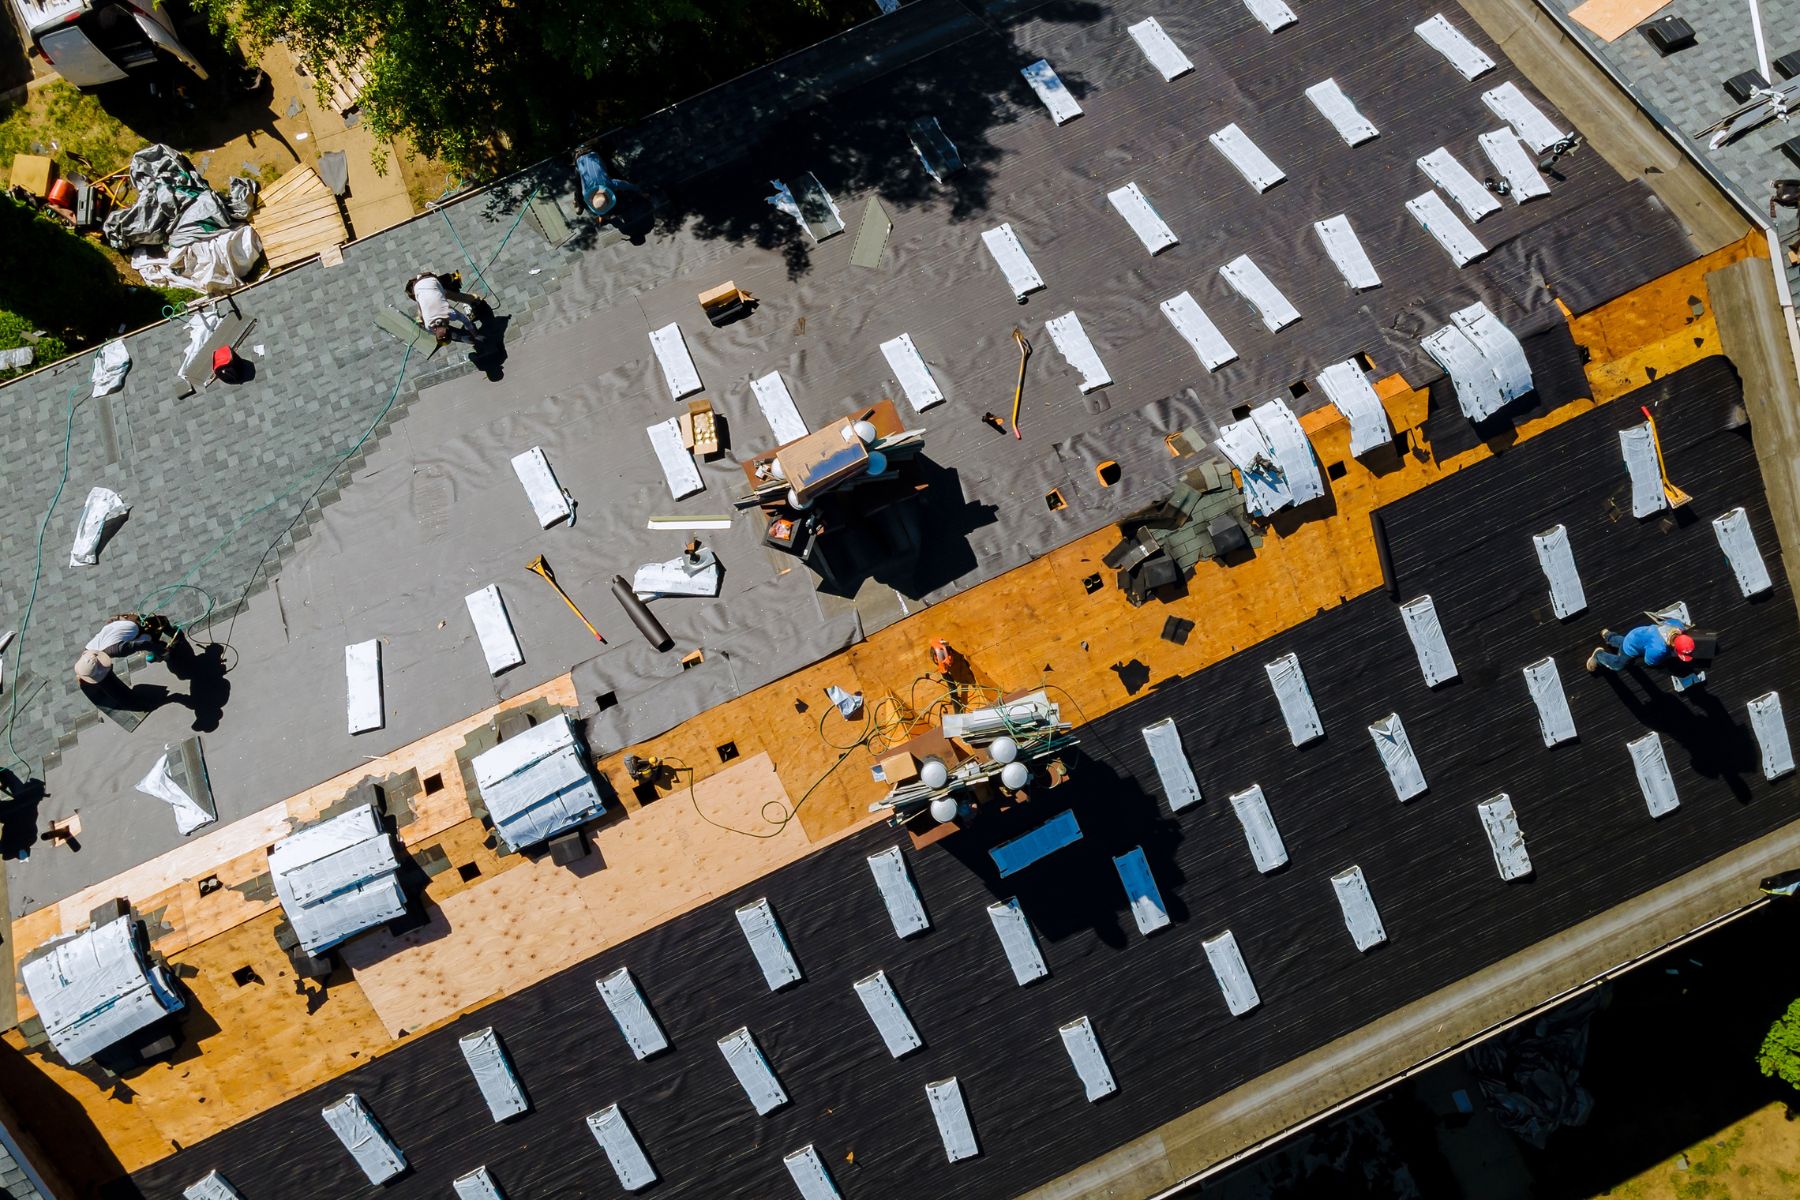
<point>1779,1057</point>
<point>483,85</point>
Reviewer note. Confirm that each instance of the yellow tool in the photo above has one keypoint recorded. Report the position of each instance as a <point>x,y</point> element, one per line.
<point>1674,495</point>
<point>1019,391</point>
<point>538,566</point>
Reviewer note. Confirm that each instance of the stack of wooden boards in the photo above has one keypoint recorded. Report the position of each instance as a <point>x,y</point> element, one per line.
<point>297,218</point>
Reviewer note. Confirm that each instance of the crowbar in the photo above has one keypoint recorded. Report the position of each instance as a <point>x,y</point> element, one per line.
<point>538,566</point>
<point>1674,495</point>
<point>1019,391</point>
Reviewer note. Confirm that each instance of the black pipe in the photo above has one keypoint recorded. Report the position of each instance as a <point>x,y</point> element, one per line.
<point>640,614</point>
<point>1383,556</point>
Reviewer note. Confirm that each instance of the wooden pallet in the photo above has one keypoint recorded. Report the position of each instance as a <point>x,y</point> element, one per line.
<point>346,83</point>
<point>298,217</point>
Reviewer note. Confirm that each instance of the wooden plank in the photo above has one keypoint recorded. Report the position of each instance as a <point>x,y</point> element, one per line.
<point>1610,20</point>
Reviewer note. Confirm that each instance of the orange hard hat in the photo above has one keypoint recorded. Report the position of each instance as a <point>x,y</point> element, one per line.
<point>1684,647</point>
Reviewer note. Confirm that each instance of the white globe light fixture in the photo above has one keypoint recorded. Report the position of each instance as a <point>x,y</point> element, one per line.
<point>865,430</point>
<point>1015,775</point>
<point>776,469</point>
<point>1003,749</point>
<point>933,773</point>
<point>943,810</point>
<point>794,501</point>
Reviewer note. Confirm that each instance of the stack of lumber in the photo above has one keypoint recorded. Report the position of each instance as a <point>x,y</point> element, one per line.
<point>298,217</point>
<point>346,82</point>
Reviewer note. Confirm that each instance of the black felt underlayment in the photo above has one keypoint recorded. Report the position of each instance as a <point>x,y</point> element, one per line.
<point>1158,1012</point>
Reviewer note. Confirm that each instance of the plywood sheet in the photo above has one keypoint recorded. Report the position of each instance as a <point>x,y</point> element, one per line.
<point>1610,20</point>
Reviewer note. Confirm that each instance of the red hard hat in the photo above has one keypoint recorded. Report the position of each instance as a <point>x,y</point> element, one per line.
<point>1684,647</point>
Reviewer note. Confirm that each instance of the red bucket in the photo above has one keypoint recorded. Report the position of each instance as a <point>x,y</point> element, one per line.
<point>62,194</point>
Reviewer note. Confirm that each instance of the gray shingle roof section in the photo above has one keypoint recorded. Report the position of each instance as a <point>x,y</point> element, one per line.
<point>1686,90</point>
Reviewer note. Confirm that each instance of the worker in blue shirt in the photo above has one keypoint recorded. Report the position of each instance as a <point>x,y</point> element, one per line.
<point>1665,644</point>
<point>599,190</point>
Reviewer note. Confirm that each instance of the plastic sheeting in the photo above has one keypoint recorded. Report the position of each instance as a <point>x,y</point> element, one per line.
<point>160,783</point>
<point>337,878</point>
<point>104,507</point>
<point>175,205</point>
<point>217,264</point>
<point>96,988</point>
<point>110,367</point>
<point>536,784</point>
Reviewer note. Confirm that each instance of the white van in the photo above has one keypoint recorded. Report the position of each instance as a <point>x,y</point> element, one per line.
<point>93,42</point>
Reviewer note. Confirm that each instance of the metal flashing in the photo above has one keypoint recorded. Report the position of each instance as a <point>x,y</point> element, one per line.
<point>1653,775</point>
<point>1233,976</point>
<point>1461,186</point>
<point>1083,1045</point>
<point>1198,330</point>
<point>1557,558</point>
<point>627,1006</point>
<point>1130,202</point>
<point>1292,450</point>
<point>1555,722</point>
<point>365,1139</point>
<point>770,945</point>
<point>537,784</point>
<point>1247,280</point>
<point>1337,108</point>
<point>677,365</point>
<point>1163,54</point>
<point>1274,14</point>
<point>753,1072</point>
<point>1427,633</point>
<point>1264,839</point>
<point>211,1186</point>
<point>1043,79</point>
<point>476,1185</point>
<point>1637,446</point>
<point>1447,40</point>
<point>1247,447</point>
<point>1140,891</point>
<point>1021,276</point>
<point>1297,708</point>
<point>1015,854</point>
<point>97,987</point>
<point>1072,340</point>
<point>904,359</point>
<point>1510,157</point>
<point>1739,544</point>
<point>1346,252</point>
<point>493,1073</point>
<point>336,878</point>
<point>1017,940</point>
<point>1174,772</point>
<point>1255,166</point>
<point>1770,727</point>
<point>888,1014</point>
<point>952,1117</point>
<point>1397,756</point>
<point>623,1150</point>
<point>1498,345</point>
<point>905,909</point>
<point>1430,211</point>
<point>1361,917</point>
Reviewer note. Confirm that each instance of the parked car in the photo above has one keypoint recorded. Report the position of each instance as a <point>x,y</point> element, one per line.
<point>95,42</point>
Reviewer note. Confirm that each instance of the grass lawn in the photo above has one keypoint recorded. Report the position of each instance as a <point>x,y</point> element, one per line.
<point>68,125</point>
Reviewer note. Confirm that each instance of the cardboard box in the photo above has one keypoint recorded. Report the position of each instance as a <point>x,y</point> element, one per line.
<point>900,768</point>
<point>33,172</point>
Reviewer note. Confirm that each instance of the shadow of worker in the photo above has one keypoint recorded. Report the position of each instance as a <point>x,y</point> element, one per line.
<point>208,688</point>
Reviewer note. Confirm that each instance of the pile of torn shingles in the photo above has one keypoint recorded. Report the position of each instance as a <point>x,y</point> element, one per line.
<point>1160,547</point>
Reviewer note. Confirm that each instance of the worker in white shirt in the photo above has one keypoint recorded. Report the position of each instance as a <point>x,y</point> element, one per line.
<point>123,634</point>
<point>437,297</point>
